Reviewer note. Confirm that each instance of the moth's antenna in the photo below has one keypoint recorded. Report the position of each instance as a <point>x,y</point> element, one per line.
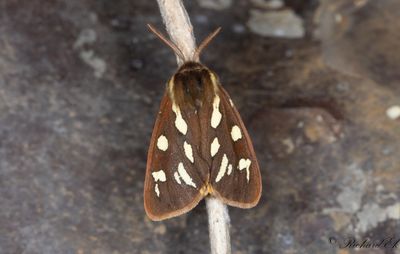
<point>204,43</point>
<point>166,41</point>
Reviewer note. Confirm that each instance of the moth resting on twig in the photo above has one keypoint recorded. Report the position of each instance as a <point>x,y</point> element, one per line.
<point>199,144</point>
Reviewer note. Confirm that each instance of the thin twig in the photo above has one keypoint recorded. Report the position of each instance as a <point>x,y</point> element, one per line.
<point>218,224</point>
<point>178,26</point>
<point>180,31</point>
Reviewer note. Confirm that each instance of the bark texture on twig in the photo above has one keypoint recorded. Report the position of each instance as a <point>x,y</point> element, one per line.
<point>180,31</point>
<point>178,26</point>
<point>218,224</point>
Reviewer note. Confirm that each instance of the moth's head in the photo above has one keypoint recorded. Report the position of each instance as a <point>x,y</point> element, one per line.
<point>192,84</point>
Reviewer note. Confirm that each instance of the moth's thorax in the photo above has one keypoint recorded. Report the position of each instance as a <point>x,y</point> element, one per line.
<point>192,85</point>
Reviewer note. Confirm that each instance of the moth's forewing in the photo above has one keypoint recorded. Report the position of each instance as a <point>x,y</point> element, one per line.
<point>236,178</point>
<point>166,197</point>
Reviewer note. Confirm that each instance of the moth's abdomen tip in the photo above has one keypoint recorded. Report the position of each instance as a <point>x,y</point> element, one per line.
<point>206,190</point>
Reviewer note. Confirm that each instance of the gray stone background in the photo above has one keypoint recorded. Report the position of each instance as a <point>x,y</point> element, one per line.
<point>317,84</point>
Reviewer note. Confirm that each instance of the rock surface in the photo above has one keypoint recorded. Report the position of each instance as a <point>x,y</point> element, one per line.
<point>80,86</point>
<point>283,23</point>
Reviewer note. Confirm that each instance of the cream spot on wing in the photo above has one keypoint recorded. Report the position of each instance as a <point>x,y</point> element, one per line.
<point>171,86</point>
<point>245,164</point>
<point>216,114</point>
<point>229,169</point>
<point>185,176</point>
<point>177,177</point>
<point>213,78</point>
<point>188,151</point>
<point>222,168</point>
<point>157,190</point>
<point>162,143</point>
<point>180,123</point>
<point>236,134</point>
<point>214,147</point>
<point>214,81</point>
<point>159,176</point>
<point>231,102</point>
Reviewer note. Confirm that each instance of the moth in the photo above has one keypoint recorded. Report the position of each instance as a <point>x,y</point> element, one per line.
<point>199,144</point>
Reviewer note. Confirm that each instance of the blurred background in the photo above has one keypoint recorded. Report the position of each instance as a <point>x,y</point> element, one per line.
<point>317,84</point>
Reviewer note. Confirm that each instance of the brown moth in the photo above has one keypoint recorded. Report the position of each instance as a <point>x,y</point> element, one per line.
<point>199,145</point>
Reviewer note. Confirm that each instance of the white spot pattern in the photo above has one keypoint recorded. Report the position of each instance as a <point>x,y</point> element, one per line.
<point>157,190</point>
<point>214,147</point>
<point>159,176</point>
<point>180,123</point>
<point>185,176</point>
<point>236,134</point>
<point>188,151</point>
<point>222,168</point>
<point>245,164</point>
<point>162,143</point>
<point>216,114</point>
<point>229,169</point>
<point>177,178</point>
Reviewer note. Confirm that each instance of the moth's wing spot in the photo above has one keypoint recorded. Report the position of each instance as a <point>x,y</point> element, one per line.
<point>214,147</point>
<point>229,169</point>
<point>159,176</point>
<point>188,151</point>
<point>177,178</point>
<point>231,102</point>
<point>162,143</point>
<point>216,114</point>
<point>214,81</point>
<point>157,190</point>
<point>222,168</point>
<point>236,134</point>
<point>185,176</point>
<point>245,164</point>
<point>180,123</point>
<point>171,84</point>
